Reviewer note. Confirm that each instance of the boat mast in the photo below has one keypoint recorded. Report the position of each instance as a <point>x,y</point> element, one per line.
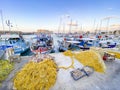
<point>70,26</point>
<point>108,25</point>
<point>81,29</point>
<point>63,27</point>
<point>59,27</point>
<point>2,20</point>
<point>76,26</point>
<point>94,25</point>
<point>100,26</point>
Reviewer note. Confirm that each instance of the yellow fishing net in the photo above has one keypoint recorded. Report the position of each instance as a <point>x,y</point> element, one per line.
<point>36,76</point>
<point>68,53</point>
<point>98,50</point>
<point>117,54</point>
<point>91,58</point>
<point>5,68</point>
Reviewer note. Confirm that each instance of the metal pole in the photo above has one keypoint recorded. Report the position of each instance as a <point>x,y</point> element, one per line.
<point>97,28</point>
<point>64,22</point>
<point>94,24</point>
<point>70,26</point>
<point>9,25</point>
<point>9,28</point>
<point>59,25</point>
<point>81,27</point>
<point>63,27</point>
<point>2,20</point>
<point>76,26</point>
<point>100,25</point>
<point>108,25</point>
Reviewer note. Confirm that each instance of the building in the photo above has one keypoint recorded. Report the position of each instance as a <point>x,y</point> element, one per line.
<point>12,32</point>
<point>44,31</point>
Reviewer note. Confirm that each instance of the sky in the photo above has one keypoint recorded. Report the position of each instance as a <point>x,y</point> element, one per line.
<point>31,15</point>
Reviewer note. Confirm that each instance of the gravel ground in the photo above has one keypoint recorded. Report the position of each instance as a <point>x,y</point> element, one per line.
<point>97,81</point>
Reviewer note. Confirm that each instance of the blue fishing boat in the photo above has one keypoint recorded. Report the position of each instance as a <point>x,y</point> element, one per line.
<point>13,41</point>
<point>86,43</point>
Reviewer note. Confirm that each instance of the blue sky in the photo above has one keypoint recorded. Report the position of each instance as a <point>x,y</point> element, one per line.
<point>30,15</point>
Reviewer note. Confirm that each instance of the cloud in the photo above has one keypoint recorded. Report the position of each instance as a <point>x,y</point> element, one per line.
<point>109,8</point>
<point>115,25</point>
<point>110,17</point>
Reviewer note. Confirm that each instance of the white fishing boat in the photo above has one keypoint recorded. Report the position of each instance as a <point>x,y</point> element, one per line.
<point>107,43</point>
<point>69,43</point>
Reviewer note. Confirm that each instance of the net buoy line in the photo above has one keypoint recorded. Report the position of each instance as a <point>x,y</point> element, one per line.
<point>71,66</point>
<point>68,53</point>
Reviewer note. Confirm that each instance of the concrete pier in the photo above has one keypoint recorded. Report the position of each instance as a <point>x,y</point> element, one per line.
<point>97,81</point>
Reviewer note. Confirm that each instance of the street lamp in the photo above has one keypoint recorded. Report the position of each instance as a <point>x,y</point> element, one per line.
<point>9,24</point>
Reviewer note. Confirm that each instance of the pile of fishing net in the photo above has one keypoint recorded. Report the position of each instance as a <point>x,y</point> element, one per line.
<point>5,68</point>
<point>98,50</point>
<point>116,53</point>
<point>102,51</point>
<point>89,58</point>
<point>36,76</point>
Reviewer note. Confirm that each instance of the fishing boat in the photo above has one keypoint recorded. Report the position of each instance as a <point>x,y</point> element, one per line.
<point>42,45</point>
<point>69,43</point>
<point>107,43</point>
<point>14,41</point>
<point>86,43</point>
